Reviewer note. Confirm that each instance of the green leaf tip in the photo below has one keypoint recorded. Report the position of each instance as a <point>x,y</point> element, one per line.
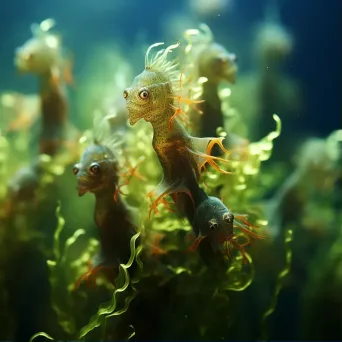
<point>43,334</point>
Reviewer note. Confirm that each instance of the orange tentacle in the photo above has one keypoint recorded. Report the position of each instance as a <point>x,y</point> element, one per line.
<point>252,234</point>
<point>196,243</point>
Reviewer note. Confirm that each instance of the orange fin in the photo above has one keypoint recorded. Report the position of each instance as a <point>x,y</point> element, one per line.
<point>179,113</point>
<point>163,190</point>
<point>201,148</point>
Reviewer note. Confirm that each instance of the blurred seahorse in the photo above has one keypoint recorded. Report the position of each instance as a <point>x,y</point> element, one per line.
<point>214,63</point>
<point>270,89</point>
<point>42,55</point>
<point>182,157</point>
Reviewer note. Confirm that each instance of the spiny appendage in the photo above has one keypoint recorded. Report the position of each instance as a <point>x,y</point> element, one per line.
<point>163,190</point>
<point>245,228</point>
<point>92,274</point>
<point>159,63</point>
<point>126,175</point>
<point>201,148</point>
<point>178,111</point>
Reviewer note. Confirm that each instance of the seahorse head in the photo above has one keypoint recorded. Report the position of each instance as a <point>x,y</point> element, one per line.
<point>152,92</point>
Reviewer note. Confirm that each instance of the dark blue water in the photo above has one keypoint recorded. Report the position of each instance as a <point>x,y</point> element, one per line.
<point>316,62</point>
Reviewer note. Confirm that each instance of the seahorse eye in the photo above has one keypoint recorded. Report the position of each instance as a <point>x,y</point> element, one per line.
<point>213,225</point>
<point>94,168</point>
<point>144,94</point>
<point>125,94</point>
<point>228,217</point>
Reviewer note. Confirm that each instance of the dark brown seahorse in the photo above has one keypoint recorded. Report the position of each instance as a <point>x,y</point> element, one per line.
<point>97,172</point>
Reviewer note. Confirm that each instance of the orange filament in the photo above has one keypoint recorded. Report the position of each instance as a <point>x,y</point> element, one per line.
<point>232,240</point>
<point>133,171</point>
<point>250,233</point>
<point>157,201</point>
<point>91,275</point>
<point>128,175</point>
<point>179,113</point>
<point>161,200</point>
<point>216,141</point>
<point>244,221</point>
<point>117,192</point>
<point>196,243</point>
<point>240,246</point>
<point>180,99</point>
<point>210,160</point>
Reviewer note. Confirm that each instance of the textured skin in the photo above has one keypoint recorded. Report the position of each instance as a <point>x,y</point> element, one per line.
<point>181,156</point>
<point>112,217</point>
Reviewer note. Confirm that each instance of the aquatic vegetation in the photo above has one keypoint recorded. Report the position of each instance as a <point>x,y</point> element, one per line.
<point>19,112</point>
<point>3,155</point>
<point>245,163</point>
<point>123,281</point>
<point>65,268</point>
<point>317,169</point>
<point>167,260</point>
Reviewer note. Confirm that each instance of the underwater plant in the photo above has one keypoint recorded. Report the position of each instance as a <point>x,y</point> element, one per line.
<point>142,287</point>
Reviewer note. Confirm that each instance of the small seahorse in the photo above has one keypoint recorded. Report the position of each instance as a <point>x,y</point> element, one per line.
<point>42,56</point>
<point>98,173</point>
<point>215,222</point>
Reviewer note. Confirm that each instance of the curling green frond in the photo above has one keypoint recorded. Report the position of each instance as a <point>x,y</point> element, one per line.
<point>239,276</point>
<point>108,309</point>
<point>60,226</point>
<point>42,334</point>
